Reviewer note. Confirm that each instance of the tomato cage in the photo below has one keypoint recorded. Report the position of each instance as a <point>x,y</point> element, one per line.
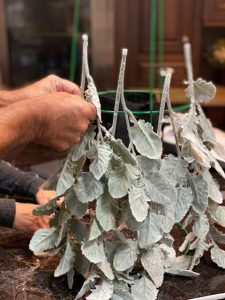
<point>143,103</point>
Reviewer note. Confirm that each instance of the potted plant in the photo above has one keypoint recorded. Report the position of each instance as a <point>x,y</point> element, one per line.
<point>123,244</point>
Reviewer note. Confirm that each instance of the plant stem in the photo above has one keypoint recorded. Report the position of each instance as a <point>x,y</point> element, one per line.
<point>188,63</point>
<point>85,58</point>
<point>173,121</point>
<point>112,130</point>
<point>165,93</point>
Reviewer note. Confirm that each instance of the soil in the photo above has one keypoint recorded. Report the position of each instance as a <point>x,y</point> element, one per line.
<point>24,276</point>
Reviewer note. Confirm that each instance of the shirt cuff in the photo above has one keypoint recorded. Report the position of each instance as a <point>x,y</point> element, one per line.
<point>7,212</point>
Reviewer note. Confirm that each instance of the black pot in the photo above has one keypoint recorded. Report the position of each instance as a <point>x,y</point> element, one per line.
<point>135,101</point>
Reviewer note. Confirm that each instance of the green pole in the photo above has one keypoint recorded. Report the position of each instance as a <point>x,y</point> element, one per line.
<point>152,56</point>
<point>73,54</point>
<point>161,38</point>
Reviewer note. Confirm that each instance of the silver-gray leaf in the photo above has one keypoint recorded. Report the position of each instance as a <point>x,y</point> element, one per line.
<point>144,289</point>
<point>218,256</point>
<point>88,188</point>
<point>151,230</point>
<point>201,226</point>
<point>66,262</point>
<point>105,211</point>
<point>203,91</point>
<point>184,200</point>
<point>125,256</point>
<point>146,141</point>
<point>93,251</point>
<point>173,168</point>
<point>43,239</point>
<point>138,202</point>
<point>102,291</point>
<point>100,164</point>
<point>159,189</point>
<point>199,189</point>
<point>152,261</point>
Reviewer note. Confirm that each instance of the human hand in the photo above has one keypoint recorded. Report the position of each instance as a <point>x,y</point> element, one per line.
<point>42,196</point>
<point>59,119</point>
<point>49,84</point>
<point>25,220</point>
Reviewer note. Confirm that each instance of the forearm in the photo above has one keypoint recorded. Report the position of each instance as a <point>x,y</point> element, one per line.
<point>16,182</point>
<point>7,212</point>
<point>15,126</point>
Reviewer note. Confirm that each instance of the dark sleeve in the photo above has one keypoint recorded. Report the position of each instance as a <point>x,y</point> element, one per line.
<point>7,212</point>
<point>16,182</point>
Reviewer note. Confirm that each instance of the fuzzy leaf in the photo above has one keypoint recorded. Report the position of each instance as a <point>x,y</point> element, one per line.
<point>105,211</point>
<point>61,234</point>
<point>77,228</point>
<point>185,273</point>
<point>218,237</point>
<point>183,203</point>
<point>201,226</point>
<point>206,128</point>
<point>217,213</point>
<point>43,239</point>
<point>178,263</point>
<point>213,187</point>
<point>46,209</point>
<point>173,168</point>
<point>91,95</point>
<point>70,278</point>
<point>138,202</point>
<point>66,262</point>
<point>100,163</point>
<point>218,256</point>
<point>86,143</point>
<point>121,150</point>
<point>151,230</point>
<point>88,188</point>
<point>169,210</point>
<point>121,295</point>
<point>88,284</point>
<point>93,251</point>
<point>105,267</point>
<point>66,178</point>
<point>203,91</point>
<point>200,193</point>
<point>146,141</point>
<point>125,256</point>
<point>188,124</point>
<point>200,247</point>
<point>144,289</point>
<point>159,189</point>
<point>217,167</point>
<point>148,165</point>
<point>95,231</point>
<point>200,153</point>
<point>73,205</point>
<point>120,179</point>
<point>128,219</point>
<point>152,261</point>
<point>102,291</point>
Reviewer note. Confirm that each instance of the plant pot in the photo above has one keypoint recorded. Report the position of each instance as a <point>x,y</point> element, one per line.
<point>137,101</point>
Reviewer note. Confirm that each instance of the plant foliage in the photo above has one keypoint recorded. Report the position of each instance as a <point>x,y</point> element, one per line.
<point>136,196</point>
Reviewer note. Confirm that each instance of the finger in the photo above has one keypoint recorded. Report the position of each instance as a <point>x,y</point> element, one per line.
<point>63,85</point>
<point>91,111</point>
